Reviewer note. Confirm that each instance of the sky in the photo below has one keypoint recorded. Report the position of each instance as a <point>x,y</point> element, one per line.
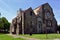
<point>8,8</point>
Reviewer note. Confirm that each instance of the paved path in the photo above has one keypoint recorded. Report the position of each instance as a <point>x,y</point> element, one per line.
<point>27,38</point>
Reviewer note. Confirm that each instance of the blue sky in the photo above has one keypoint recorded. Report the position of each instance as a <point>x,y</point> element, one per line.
<point>8,8</point>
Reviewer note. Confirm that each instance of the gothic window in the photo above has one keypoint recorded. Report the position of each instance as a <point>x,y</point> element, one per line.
<point>39,24</point>
<point>47,14</point>
<point>49,23</point>
<point>31,24</point>
<point>31,13</point>
<point>44,8</point>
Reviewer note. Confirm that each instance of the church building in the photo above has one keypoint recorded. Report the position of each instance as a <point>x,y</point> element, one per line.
<point>38,20</point>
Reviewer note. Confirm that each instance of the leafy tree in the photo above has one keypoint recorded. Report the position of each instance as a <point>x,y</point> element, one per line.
<point>58,25</point>
<point>4,24</point>
<point>1,23</point>
<point>59,28</point>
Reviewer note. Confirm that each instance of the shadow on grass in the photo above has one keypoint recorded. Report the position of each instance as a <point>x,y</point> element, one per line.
<point>43,36</point>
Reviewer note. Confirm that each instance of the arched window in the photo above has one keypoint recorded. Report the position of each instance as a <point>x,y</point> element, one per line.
<point>31,13</point>
<point>39,24</point>
<point>48,23</point>
<point>47,14</point>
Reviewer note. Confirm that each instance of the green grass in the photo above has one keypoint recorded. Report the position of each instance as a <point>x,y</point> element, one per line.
<point>38,36</point>
<point>6,37</point>
<point>43,36</point>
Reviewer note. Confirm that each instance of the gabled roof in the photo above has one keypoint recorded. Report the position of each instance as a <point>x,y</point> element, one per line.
<point>39,7</point>
<point>28,9</point>
<point>42,5</point>
<point>47,5</point>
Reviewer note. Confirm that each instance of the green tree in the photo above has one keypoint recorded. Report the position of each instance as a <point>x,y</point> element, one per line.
<point>4,24</point>
<point>58,25</point>
<point>1,24</point>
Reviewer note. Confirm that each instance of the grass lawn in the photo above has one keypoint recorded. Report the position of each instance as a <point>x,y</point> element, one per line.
<point>38,36</point>
<point>43,36</point>
<point>6,37</point>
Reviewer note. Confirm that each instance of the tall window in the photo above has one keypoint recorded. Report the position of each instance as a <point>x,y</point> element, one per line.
<point>47,15</point>
<point>31,24</point>
<point>40,24</point>
<point>49,24</point>
<point>31,13</point>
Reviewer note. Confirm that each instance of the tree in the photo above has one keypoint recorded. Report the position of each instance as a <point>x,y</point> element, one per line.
<point>4,24</point>
<point>1,23</point>
<point>58,28</point>
<point>58,25</point>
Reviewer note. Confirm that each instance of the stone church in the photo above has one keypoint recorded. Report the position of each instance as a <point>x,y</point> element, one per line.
<point>38,20</point>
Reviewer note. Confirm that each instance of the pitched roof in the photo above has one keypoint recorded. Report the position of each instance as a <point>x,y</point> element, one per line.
<point>41,5</point>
